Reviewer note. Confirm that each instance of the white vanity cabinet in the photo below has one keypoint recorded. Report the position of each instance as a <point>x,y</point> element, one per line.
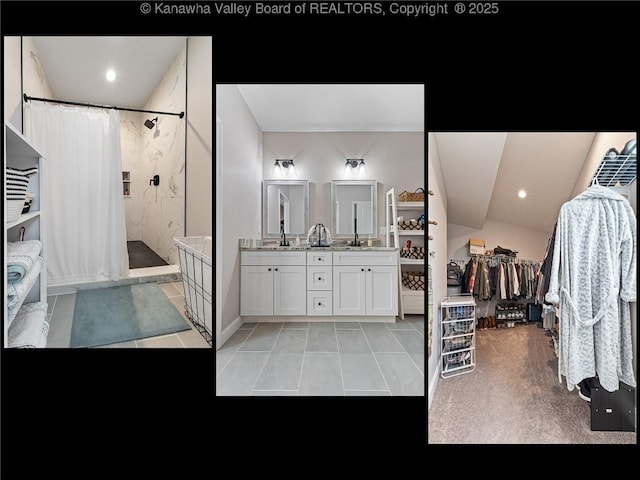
<point>365,283</point>
<point>273,283</point>
<point>319,283</point>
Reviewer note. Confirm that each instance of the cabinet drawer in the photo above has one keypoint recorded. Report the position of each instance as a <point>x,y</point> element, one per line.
<point>319,258</point>
<point>319,303</point>
<point>319,278</point>
<point>272,258</point>
<point>365,258</point>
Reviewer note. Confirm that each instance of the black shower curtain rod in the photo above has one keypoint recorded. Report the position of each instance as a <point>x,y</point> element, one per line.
<point>65,102</point>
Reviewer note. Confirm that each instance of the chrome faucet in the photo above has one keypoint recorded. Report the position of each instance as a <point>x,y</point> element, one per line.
<point>283,237</point>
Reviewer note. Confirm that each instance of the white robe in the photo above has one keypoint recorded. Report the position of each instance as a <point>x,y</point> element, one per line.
<point>593,278</point>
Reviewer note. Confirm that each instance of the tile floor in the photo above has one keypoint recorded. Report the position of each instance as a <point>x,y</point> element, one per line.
<point>60,316</point>
<point>324,359</point>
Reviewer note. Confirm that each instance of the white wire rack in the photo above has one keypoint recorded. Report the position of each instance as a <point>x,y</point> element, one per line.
<point>197,279</point>
<point>458,335</point>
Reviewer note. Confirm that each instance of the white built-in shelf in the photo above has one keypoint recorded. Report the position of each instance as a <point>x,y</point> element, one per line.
<point>408,291</point>
<point>409,205</point>
<point>19,150</point>
<point>411,232</point>
<point>22,219</point>
<point>412,261</point>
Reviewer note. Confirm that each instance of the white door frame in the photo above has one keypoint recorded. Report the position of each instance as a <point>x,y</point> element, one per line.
<point>218,239</point>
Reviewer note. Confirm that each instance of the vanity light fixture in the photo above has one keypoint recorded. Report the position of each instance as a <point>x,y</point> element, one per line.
<point>287,165</point>
<point>355,166</point>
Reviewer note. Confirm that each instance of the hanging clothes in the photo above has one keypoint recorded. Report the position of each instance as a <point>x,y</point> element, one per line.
<point>593,278</point>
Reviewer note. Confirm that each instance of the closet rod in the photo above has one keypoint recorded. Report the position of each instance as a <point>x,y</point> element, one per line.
<point>65,102</point>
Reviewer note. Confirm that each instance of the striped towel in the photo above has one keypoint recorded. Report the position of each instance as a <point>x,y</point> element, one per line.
<point>18,181</point>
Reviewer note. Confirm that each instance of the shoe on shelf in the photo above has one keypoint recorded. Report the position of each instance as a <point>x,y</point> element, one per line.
<point>584,390</point>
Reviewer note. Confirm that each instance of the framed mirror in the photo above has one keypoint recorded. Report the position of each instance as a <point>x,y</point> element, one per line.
<point>285,206</point>
<point>354,208</point>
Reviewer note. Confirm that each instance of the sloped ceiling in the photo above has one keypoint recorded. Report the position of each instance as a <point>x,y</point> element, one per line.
<point>75,67</point>
<point>483,173</point>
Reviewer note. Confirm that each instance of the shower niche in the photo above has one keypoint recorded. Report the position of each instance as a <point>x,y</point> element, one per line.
<point>126,184</point>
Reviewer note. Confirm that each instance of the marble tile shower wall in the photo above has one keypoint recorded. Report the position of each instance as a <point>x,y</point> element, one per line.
<point>162,153</point>
<point>131,125</point>
<point>35,83</point>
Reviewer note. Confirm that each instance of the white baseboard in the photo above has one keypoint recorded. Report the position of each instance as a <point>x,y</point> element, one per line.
<point>227,332</point>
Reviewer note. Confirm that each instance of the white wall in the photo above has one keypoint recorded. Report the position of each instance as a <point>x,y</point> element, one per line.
<point>241,191</point>
<point>199,195</point>
<point>34,78</point>
<point>530,244</point>
<point>437,211</point>
<point>163,154</point>
<point>12,82</point>
<point>394,159</point>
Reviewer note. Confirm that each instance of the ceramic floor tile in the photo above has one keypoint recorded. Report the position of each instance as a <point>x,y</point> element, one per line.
<point>241,373</point>
<point>352,341</point>
<point>281,372</point>
<point>380,338</point>
<point>224,354</point>
<point>61,322</point>
<point>290,341</point>
<point>361,372</point>
<point>168,341</point>
<point>296,325</point>
<point>400,325</point>
<point>413,343</point>
<point>179,286</point>
<point>321,375</point>
<point>322,338</point>
<point>169,290</point>
<point>366,393</point>
<point>417,321</point>
<point>193,339</point>
<point>51,301</point>
<point>401,374</point>
<point>131,344</point>
<point>275,393</point>
<point>347,326</point>
<point>248,326</point>
<point>262,338</point>
<point>178,302</point>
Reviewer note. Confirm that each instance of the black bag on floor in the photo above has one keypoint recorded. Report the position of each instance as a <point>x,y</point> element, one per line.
<point>613,411</point>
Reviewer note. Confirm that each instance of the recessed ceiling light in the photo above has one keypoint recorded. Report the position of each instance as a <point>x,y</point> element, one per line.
<point>522,194</point>
<point>111,75</point>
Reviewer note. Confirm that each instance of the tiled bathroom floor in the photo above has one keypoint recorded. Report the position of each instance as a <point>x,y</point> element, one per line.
<point>60,316</point>
<point>320,359</point>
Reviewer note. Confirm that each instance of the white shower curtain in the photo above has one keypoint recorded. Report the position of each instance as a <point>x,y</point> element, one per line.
<point>85,231</point>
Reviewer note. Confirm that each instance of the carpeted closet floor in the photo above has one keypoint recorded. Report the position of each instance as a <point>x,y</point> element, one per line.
<point>513,397</point>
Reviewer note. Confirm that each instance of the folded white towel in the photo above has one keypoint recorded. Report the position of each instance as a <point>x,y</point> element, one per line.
<point>17,292</point>
<point>30,327</point>
<point>20,258</point>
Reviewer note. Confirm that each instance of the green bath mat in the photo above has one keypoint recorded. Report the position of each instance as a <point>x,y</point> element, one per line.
<point>119,314</point>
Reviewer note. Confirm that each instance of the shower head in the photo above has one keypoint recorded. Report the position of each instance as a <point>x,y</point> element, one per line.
<point>150,123</point>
